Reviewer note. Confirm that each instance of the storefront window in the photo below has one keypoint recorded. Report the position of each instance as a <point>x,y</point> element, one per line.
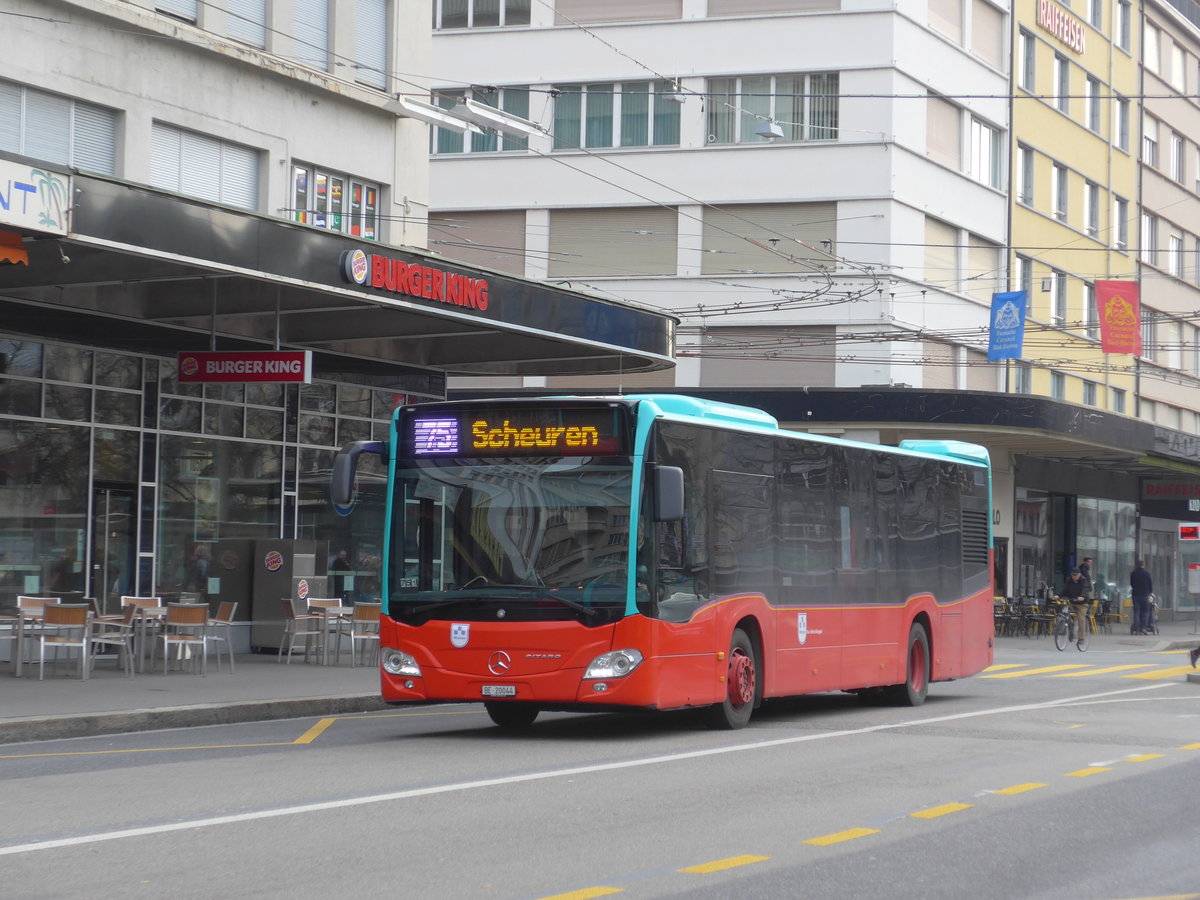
<point>114,370</point>
<point>21,358</point>
<point>68,364</point>
<point>20,398</point>
<point>115,408</point>
<point>71,403</point>
<point>1106,531</point>
<point>43,513</point>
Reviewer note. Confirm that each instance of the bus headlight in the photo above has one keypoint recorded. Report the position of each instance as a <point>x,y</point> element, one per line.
<point>617,664</point>
<point>397,662</point>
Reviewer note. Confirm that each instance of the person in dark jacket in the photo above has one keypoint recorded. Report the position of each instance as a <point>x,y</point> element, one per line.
<point>1075,592</point>
<point>1141,586</point>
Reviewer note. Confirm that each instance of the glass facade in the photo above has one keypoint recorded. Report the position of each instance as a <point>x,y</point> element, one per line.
<point>117,479</point>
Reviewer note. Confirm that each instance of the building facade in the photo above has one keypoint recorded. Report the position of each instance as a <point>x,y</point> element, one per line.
<point>830,226</point>
<point>179,178</point>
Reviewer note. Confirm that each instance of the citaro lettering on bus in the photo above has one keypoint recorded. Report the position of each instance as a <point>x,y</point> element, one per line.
<point>504,437</point>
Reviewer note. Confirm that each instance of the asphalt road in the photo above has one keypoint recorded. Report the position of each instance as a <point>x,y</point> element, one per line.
<point>1068,783</point>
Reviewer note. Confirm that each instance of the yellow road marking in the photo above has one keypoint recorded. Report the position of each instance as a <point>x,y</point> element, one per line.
<point>1103,671</point>
<point>999,666</point>
<point>307,738</point>
<point>1020,788</point>
<point>1143,757</point>
<point>1040,671</point>
<point>315,732</point>
<point>934,811</point>
<point>585,893</point>
<point>1090,770</point>
<point>1173,672</point>
<point>838,836</point>
<point>720,865</point>
<point>1190,747</point>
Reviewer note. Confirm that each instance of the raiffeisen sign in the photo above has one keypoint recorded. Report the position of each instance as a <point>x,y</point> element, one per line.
<point>395,276</point>
<point>1060,23</point>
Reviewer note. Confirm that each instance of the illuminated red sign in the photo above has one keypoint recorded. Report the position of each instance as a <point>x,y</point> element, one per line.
<point>1189,531</point>
<point>283,366</point>
<point>395,276</point>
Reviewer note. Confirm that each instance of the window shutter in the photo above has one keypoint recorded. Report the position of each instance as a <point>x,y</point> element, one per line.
<point>185,9</point>
<point>495,239</point>
<point>248,21</point>
<point>239,176</point>
<point>987,33</point>
<point>310,38</point>
<point>982,276</point>
<point>942,141</point>
<point>729,230</point>
<point>200,166</point>
<point>588,11</point>
<point>165,156</point>
<point>746,7</point>
<point>945,16</point>
<point>941,253</point>
<point>613,242</point>
<point>10,117</point>
<point>47,127</point>
<point>94,139</point>
<point>371,42</point>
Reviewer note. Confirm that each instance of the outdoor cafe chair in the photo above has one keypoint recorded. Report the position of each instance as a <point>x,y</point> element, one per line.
<point>362,627</point>
<point>184,627</point>
<point>109,633</point>
<point>329,611</point>
<point>64,626</point>
<point>220,631</point>
<point>298,624</point>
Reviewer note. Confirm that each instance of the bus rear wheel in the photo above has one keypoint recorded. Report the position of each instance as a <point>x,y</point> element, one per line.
<point>512,716</point>
<point>916,668</point>
<point>741,685</point>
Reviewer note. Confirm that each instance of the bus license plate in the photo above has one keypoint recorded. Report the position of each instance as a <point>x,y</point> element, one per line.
<point>499,690</point>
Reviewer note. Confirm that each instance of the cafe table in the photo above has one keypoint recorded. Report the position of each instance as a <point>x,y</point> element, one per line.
<point>331,617</point>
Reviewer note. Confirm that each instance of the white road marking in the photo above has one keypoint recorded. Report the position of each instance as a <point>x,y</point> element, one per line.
<point>453,787</point>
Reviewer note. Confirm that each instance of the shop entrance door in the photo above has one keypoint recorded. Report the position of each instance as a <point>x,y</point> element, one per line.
<point>113,541</point>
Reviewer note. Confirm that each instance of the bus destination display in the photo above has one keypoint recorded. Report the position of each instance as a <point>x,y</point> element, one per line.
<point>517,432</point>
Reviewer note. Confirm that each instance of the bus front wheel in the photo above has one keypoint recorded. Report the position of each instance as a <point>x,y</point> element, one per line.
<point>512,716</point>
<point>916,668</point>
<point>741,685</point>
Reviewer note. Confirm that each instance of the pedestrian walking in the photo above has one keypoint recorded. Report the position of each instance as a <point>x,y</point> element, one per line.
<point>1141,586</point>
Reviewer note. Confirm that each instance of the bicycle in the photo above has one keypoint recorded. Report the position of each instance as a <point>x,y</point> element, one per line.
<point>1064,630</point>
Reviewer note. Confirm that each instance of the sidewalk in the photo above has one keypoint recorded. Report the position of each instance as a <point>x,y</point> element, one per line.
<point>262,688</point>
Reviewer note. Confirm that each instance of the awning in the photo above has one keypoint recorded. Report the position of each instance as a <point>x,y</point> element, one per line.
<point>154,272</point>
<point>12,248</point>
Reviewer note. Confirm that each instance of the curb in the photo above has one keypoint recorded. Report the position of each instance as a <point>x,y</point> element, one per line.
<point>49,728</point>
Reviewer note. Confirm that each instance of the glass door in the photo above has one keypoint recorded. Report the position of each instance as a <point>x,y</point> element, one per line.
<point>114,524</point>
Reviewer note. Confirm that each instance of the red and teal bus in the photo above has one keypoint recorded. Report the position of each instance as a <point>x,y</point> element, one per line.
<point>663,552</point>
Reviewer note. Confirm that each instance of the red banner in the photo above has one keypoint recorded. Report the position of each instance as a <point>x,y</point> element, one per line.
<point>1118,307</point>
<point>270,367</point>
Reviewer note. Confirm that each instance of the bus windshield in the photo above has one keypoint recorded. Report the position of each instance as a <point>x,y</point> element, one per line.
<point>543,538</point>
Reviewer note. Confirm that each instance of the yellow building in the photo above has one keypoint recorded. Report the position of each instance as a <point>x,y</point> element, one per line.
<point>1074,193</point>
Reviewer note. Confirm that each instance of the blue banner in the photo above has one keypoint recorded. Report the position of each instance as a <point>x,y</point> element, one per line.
<point>1008,325</point>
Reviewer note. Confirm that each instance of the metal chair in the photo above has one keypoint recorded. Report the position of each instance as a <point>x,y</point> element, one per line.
<point>362,627</point>
<point>298,624</point>
<point>220,631</point>
<point>184,627</point>
<point>119,634</point>
<point>65,625</point>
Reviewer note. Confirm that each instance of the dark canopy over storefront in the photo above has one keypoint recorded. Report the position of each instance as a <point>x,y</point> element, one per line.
<point>143,270</point>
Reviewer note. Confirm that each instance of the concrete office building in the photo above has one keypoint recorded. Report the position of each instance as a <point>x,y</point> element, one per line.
<point>827,193</point>
<point>179,177</point>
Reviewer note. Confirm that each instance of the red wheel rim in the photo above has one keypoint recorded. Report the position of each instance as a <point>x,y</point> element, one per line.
<point>916,666</point>
<point>741,678</point>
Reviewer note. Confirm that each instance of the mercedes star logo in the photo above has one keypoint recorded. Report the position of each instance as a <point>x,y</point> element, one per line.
<point>499,663</point>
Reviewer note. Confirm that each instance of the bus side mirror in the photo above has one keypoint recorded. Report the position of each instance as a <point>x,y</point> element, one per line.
<point>345,467</point>
<point>668,493</point>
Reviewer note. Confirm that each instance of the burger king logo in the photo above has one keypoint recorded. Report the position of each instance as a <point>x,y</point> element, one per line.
<point>273,561</point>
<point>189,366</point>
<point>355,266</point>
<point>229,560</point>
<point>302,589</point>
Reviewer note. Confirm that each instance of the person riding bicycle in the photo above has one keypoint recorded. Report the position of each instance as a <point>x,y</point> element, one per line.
<point>1075,592</point>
